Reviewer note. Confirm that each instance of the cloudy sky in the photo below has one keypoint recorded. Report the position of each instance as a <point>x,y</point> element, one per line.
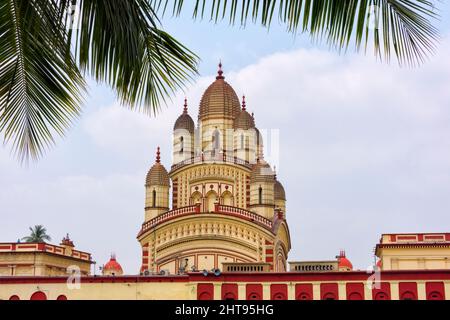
<point>364,147</point>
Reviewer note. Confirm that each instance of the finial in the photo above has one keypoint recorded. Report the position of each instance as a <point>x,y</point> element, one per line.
<point>158,158</point>
<point>185,111</point>
<point>253,115</point>
<point>243,103</point>
<point>113,256</point>
<point>220,71</point>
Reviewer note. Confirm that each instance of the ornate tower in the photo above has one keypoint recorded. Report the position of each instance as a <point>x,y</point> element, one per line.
<point>156,190</point>
<point>226,205</point>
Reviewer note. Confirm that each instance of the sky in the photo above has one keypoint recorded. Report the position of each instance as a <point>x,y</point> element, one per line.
<point>364,147</point>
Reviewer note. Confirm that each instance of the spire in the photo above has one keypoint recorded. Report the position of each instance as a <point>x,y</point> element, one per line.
<point>158,158</point>
<point>220,72</point>
<point>243,103</point>
<point>185,111</point>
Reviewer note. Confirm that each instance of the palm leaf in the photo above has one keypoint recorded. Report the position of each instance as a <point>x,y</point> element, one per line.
<point>40,84</point>
<point>402,26</point>
<point>120,43</point>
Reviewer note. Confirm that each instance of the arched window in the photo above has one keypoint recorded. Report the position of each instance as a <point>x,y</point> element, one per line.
<point>216,140</point>
<point>154,198</point>
<point>260,195</point>
<point>181,144</point>
<point>14,297</point>
<point>61,297</point>
<point>242,141</point>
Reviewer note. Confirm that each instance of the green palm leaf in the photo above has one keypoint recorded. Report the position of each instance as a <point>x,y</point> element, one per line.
<point>403,26</point>
<point>39,81</point>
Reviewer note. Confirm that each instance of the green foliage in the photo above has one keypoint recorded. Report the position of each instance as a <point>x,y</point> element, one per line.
<point>37,234</point>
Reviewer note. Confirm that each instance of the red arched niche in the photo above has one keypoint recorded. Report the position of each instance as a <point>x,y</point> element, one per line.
<point>435,290</point>
<point>38,295</point>
<point>381,291</point>
<point>229,291</point>
<point>303,291</point>
<point>205,291</point>
<point>329,291</point>
<point>407,290</point>
<point>14,297</point>
<point>355,291</point>
<point>254,291</point>
<point>278,292</point>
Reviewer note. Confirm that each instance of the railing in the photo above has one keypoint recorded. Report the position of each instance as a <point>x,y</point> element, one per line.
<point>219,158</point>
<point>242,213</point>
<point>195,209</point>
<point>175,213</point>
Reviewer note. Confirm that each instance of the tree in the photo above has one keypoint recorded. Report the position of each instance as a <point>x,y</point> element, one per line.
<point>44,60</point>
<point>37,234</point>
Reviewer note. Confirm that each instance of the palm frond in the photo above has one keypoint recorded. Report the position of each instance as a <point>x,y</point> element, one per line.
<point>40,84</point>
<point>120,43</point>
<point>402,26</point>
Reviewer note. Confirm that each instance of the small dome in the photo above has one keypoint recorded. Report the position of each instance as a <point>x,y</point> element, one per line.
<point>244,120</point>
<point>157,175</point>
<point>344,263</point>
<point>112,266</point>
<point>219,100</point>
<point>279,191</point>
<point>262,172</point>
<point>185,121</point>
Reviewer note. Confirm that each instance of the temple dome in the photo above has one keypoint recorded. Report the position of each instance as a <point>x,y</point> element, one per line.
<point>262,172</point>
<point>184,121</point>
<point>279,191</point>
<point>219,100</point>
<point>112,267</point>
<point>244,120</point>
<point>157,175</point>
<point>344,263</point>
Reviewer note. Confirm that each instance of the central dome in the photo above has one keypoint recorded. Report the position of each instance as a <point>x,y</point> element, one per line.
<point>219,100</point>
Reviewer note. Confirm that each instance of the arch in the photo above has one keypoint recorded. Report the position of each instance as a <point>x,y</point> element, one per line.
<point>355,296</point>
<point>61,297</point>
<point>260,192</point>
<point>211,199</point>
<point>205,291</point>
<point>181,144</point>
<point>229,296</point>
<point>38,295</point>
<point>435,295</point>
<point>253,296</point>
<point>408,295</point>
<point>14,297</point>
<point>204,296</point>
<point>329,296</point>
<point>279,296</point>
<point>381,296</point>
<point>303,296</point>
<point>196,197</point>
<point>227,198</point>
<point>215,141</point>
<point>154,198</point>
